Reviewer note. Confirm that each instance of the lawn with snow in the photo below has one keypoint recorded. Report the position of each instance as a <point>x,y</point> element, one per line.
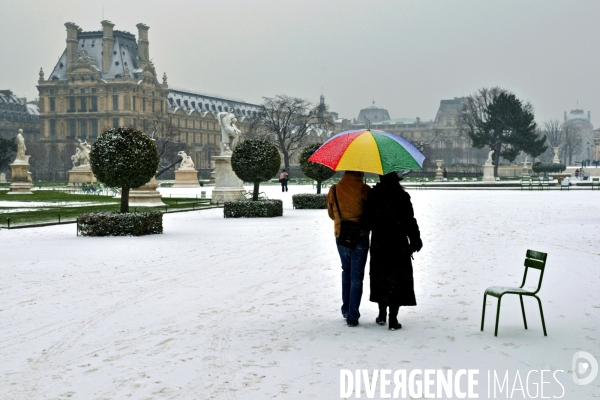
<point>249,308</point>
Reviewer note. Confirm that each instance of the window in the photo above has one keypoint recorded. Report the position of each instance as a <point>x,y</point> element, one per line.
<point>144,104</point>
<point>71,90</point>
<point>153,110</point>
<point>82,90</point>
<point>134,103</point>
<point>51,91</point>
<point>115,102</point>
<point>93,90</point>
<point>82,104</point>
<point>115,122</point>
<point>94,103</point>
<point>83,128</point>
<point>52,103</point>
<point>52,127</point>
<point>71,104</point>
<point>94,128</point>
<point>115,90</point>
<point>72,128</point>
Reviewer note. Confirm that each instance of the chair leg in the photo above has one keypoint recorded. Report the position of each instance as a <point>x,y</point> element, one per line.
<point>523,310</point>
<point>542,315</point>
<point>497,316</point>
<point>483,312</point>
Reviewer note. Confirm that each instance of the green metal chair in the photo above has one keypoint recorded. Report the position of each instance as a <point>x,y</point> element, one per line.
<point>533,259</point>
<point>525,183</point>
<point>595,183</point>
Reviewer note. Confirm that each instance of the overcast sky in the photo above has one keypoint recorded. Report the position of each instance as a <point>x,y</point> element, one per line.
<point>404,55</point>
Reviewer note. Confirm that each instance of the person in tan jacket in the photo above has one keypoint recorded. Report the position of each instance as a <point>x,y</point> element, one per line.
<point>351,195</point>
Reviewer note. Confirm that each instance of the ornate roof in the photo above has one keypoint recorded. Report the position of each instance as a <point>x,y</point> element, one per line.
<point>124,58</point>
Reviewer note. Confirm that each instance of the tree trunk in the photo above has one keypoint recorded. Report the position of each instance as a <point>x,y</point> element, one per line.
<point>286,162</point>
<point>255,193</point>
<point>319,186</point>
<point>124,200</point>
<point>496,158</point>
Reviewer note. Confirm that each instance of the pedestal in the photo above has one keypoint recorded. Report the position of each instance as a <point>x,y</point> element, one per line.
<point>439,174</point>
<point>3,178</point>
<point>211,178</point>
<point>146,196</point>
<point>488,173</point>
<point>80,175</point>
<point>21,181</point>
<point>186,178</point>
<point>228,187</point>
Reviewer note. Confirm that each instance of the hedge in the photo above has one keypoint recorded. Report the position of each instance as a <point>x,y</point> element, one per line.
<point>310,201</point>
<point>539,167</point>
<point>253,209</point>
<point>118,224</point>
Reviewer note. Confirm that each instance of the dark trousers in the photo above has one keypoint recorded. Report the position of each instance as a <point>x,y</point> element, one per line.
<point>284,185</point>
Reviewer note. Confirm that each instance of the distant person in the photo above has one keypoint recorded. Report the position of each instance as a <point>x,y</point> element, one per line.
<point>395,237</point>
<point>283,178</point>
<point>577,173</point>
<point>445,173</point>
<point>350,193</point>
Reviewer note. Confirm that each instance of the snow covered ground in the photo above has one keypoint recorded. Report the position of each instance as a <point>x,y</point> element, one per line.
<point>249,308</point>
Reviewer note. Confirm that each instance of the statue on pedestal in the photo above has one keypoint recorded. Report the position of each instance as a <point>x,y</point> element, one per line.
<point>21,148</point>
<point>230,134</point>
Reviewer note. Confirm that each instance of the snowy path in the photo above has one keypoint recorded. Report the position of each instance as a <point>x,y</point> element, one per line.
<point>249,309</point>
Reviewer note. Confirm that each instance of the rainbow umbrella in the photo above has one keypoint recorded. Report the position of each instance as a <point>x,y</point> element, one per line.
<point>368,150</point>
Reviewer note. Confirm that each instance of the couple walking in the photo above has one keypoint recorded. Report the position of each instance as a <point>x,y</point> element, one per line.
<point>386,211</point>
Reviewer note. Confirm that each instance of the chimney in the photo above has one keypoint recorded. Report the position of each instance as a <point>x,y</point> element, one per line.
<point>143,44</point>
<point>108,42</point>
<point>565,116</point>
<point>71,42</point>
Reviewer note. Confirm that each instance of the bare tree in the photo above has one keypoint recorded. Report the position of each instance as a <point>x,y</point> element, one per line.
<point>166,136</point>
<point>554,132</point>
<point>286,121</point>
<point>572,141</point>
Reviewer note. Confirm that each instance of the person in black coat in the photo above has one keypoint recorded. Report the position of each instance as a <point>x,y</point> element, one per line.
<point>395,236</point>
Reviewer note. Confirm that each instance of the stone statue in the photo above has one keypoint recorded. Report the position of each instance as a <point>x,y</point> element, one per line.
<point>489,159</point>
<point>41,74</point>
<point>525,162</point>
<point>21,148</point>
<point>164,78</point>
<point>82,155</point>
<point>230,134</point>
<point>186,162</point>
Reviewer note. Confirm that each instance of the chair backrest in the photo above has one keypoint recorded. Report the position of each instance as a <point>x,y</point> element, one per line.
<point>537,260</point>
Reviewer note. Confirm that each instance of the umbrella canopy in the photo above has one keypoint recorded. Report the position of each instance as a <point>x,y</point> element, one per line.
<point>368,150</point>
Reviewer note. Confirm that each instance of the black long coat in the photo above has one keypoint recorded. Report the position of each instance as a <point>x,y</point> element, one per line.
<point>389,214</point>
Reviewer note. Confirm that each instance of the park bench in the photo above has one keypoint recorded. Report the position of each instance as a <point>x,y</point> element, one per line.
<point>545,183</point>
<point>535,183</point>
<point>525,183</point>
<point>533,259</point>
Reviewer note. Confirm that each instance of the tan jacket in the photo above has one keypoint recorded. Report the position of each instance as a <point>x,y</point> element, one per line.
<point>351,194</point>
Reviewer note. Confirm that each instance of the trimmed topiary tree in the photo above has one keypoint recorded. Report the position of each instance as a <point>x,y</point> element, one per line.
<point>313,170</point>
<point>546,168</point>
<point>255,160</point>
<point>125,158</point>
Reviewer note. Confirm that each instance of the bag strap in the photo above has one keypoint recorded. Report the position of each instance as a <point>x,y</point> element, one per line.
<point>336,201</point>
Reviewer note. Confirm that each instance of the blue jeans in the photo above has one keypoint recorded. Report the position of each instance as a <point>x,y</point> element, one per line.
<point>353,272</point>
